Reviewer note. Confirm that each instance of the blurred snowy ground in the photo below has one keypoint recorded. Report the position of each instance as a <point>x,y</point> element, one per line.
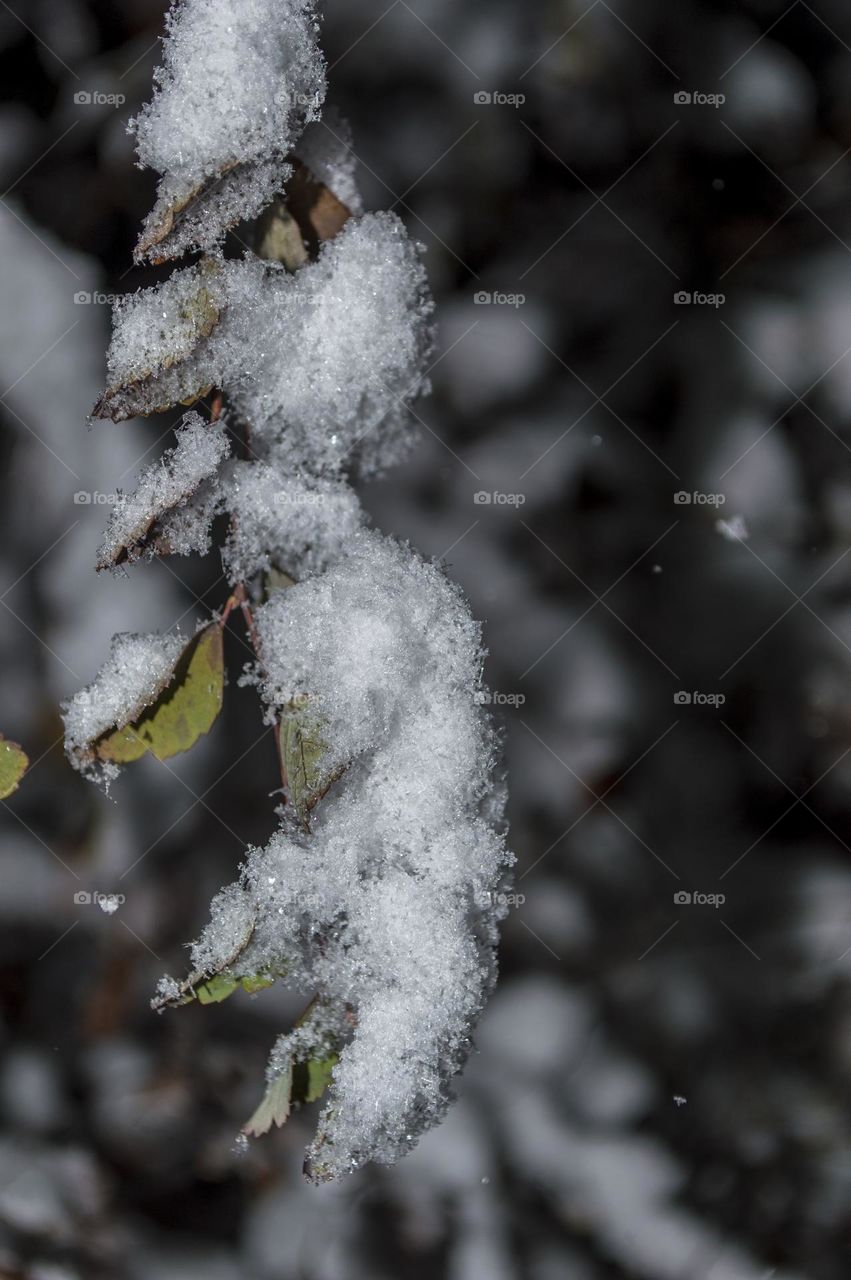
<point>661,1086</point>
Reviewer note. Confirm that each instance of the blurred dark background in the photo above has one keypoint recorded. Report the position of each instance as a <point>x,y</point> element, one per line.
<point>640,250</point>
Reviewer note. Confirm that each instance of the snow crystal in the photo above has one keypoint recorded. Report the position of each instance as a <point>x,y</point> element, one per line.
<point>734,530</point>
<point>319,363</point>
<point>387,907</point>
<point>293,523</point>
<point>188,529</point>
<point>325,148</point>
<point>358,322</point>
<point>138,669</point>
<point>166,485</point>
<point>237,85</point>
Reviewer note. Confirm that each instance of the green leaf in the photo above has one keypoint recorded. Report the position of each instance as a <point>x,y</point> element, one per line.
<point>185,710</point>
<point>275,1107</point>
<point>14,763</point>
<point>217,989</point>
<point>305,752</point>
<point>312,1078</point>
<point>222,985</point>
<point>210,982</point>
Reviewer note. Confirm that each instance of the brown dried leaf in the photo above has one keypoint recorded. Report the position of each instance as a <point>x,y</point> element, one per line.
<point>318,212</point>
<point>155,390</point>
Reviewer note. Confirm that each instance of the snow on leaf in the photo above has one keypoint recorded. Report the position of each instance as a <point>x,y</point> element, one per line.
<point>14,763</point>
<point>155,698</point>
<point>227,109</point>
<point>305,756</point>
<point>138,525</point>
<point>155,335</point>
<point>215,974</point>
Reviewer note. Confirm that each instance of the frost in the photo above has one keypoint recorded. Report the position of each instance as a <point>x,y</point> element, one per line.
<point>389,905</point>
<point>320,363</point>
<point>163,487</point>
<point>134,675</point>
<point>237,85</point>
<point>293,523</point>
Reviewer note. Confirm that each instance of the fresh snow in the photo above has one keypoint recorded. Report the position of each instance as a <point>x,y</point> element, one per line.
<point>385,906</point>
<point>237,85</point>
<point>299,525</point>
<point>390,906</point>
<point>321,363</point>
<point>138,669</point>
<point>168,484</point>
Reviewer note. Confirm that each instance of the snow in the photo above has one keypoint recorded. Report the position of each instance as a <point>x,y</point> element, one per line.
<point>297,524</point>
<point>320,363</point>
<point>388,905</point>
<point>358,325</point>
<point>168,484</point>
<point>138,669</point>
<point>237,85</point>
